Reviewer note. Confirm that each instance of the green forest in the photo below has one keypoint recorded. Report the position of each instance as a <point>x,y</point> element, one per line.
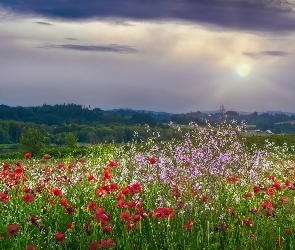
<point>72,124</point>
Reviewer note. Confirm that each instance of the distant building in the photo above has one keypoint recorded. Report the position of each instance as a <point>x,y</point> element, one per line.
<point>257,131</point>
<point>268,132</point>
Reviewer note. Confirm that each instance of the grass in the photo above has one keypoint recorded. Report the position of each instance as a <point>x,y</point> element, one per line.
<point>207,191</point>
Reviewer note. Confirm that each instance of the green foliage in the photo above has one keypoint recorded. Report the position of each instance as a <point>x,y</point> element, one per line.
<point>71,141</point>
<point>11,156</point>
<point>32,141</point>
<point>261,140</point>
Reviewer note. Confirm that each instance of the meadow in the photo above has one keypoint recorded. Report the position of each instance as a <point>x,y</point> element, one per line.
<point>206,191</point>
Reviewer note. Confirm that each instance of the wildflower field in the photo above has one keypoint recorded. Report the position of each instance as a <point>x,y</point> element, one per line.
<point>206,191</point>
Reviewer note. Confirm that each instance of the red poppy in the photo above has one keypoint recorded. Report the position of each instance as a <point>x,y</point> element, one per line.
<point>12,229</point>
<point>106,188</point>
<point>125,190</point>
<point>112,164</point>
<point>271,177</point>
<point>59,236</point>
<point>248,195</point>
<point>163,212</point>
<point>254,211</point>
<point>48,170</point>
<point>114,186</point>
<point>267,205</point>
<point>100,192</point>
<point>71,166</point>
<point>101,244</point>
<point>4,197</point>
<point>19,171</point>
<point>70,225</point>
<point>277,185</point>
<point>69,210</point>
<point>64,202</point>
<point>130,204</point>
<point>27,190</point>
<point>98,213</point>
<point>91,178</point>
<point>93,245</point>
<point>152,160</point>
<point>106,175</point>
<point>175,192</point>
<point>31,247</point>
<point>107,229</point>
<point>188,225</point>
<point>136,188</point>
<point>248,222</point>
<point>34,220</point>
<point>256,189</point>
<point>56,192</point>
<point>232,179</point>
<point>270,191</point>
<point>27,156</point>
<point>81,160</point>
<point>120,204</point>
<point>135,218</point>
<point>10,183</point>
<point>288,230</point>
<point>283,199</point>
<point>46,156</point>
<point>125,216</point>
<point>91,205</point>
<point>61,167</point>
<point>130,226</point>
<point>28,198</point>
<point>287,183</point>
<point>6,166</point>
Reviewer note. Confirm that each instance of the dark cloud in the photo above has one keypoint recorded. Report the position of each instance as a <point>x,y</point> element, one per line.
<point>43,23</point>
<point>275,53</point>
<point>72,39</point>
<point>94,48</point>
<point>259,15</point>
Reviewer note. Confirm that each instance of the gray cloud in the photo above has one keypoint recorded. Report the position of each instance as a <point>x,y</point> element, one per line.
<point>254,15</point>
<point>274,53</point>
<point>94,48</point>
<point>72,39</point>
<point>43,23</point>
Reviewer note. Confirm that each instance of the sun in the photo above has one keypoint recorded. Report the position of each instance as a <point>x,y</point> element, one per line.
<point>243,70</point>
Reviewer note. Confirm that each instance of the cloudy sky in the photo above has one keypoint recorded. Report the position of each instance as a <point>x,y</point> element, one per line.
<point>162,55</point>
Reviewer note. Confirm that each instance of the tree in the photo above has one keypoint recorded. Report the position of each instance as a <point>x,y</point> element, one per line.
<point>31,141</point>
<point>4,136</point>
<point>71,141</point>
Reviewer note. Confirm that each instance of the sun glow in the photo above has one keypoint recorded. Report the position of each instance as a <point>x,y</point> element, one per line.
<point>243,70</point>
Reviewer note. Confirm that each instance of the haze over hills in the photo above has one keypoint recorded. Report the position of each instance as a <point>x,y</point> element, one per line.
<point>126,110</point>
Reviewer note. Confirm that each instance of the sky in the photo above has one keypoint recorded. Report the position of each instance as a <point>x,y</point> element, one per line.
<point>175,56</point>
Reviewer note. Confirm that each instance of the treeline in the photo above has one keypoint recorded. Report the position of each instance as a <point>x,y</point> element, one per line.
<point>10,132</point>
<point>94,125</point>
<point>69,114</point>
